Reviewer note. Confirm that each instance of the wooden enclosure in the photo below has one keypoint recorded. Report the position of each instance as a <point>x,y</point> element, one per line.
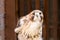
<point>16,8</point>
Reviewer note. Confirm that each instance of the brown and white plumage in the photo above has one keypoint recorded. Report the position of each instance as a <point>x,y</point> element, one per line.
<point>31,26</point>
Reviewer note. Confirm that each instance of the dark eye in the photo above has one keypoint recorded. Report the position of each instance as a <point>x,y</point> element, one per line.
<point>40,13</point>
<point>33,13</point>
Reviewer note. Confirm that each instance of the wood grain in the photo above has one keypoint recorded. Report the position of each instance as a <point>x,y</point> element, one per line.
<point>10,20</point>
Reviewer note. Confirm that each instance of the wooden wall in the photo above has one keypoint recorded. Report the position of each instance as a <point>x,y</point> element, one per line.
<point>55,19</point>
<point>10,20</point>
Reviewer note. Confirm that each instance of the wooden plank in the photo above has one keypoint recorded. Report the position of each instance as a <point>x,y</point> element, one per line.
<point>45,34</point>
<point>29,5</point>
<point>21,7</point>
<point>16,8</point>
<point>55,19</point>
<point>37,4</point>
<point>10,20</point>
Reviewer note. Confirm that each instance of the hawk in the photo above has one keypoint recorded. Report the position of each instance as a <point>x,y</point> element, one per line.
<point>30,26</point>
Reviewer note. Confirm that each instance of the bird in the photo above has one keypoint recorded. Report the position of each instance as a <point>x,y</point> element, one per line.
<point>30,26</point>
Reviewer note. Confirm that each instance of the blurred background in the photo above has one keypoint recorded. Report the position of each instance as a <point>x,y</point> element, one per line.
<point>12,10</point>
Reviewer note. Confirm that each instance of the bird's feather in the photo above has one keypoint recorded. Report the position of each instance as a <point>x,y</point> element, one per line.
<point>31,26</point>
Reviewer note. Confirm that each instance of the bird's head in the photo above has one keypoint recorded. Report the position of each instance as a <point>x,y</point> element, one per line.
<point>37,15</point>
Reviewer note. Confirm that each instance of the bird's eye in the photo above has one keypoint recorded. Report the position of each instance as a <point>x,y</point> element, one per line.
<point>40,13</point>
<point>33,13</point>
